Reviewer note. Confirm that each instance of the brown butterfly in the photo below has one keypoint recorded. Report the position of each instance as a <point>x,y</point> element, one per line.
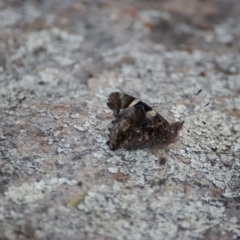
<point>137,125</point>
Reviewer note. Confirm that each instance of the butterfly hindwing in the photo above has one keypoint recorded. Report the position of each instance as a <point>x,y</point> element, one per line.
<point>122,127</point>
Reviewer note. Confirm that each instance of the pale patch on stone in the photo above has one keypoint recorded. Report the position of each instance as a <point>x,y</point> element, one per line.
<point>29,193</point>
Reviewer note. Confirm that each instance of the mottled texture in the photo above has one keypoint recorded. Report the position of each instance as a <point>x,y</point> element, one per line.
<point>58,64</point>
<point>136,125</point>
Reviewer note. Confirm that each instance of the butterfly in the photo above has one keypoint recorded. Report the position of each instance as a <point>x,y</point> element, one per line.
<point>136,125</point>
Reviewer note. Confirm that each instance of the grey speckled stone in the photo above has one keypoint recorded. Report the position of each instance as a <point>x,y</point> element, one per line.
<point>59,62</point>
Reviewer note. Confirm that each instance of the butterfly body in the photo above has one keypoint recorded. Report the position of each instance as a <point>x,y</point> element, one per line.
<point>136,125</point>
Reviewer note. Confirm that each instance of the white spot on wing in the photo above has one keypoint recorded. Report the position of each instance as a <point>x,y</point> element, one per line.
<point>152,113</point>
<point>133,103</point>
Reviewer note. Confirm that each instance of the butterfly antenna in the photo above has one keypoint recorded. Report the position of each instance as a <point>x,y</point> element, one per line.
<point>197,110</point>
<point>190,103</point>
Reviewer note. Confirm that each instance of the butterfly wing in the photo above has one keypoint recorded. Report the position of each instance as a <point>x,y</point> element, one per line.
<point>153,132</point>
<point>118,101</point>
<point>137,125</point>
<point>121,128</point>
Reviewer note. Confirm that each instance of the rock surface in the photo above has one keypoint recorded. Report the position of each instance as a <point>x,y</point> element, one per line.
<point>59,60</point>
